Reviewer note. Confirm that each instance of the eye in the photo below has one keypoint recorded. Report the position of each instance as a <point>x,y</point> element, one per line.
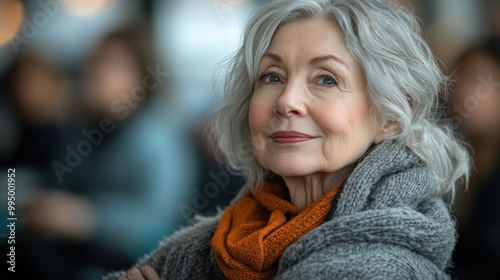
<point>270,78</point>
<point>327,80</point>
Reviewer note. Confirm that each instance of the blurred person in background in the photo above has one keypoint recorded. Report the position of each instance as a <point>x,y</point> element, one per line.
<point>491,8</point>
<point>39,99</point>
<point>476,104</point>
<point>39,93</point>
<point>118,184</point>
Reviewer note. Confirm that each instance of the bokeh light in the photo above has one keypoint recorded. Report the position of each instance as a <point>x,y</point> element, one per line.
<point>85,7</point>
<point>11,18</point>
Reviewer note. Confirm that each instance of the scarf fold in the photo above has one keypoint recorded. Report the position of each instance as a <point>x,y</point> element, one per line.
<point>253,233</point>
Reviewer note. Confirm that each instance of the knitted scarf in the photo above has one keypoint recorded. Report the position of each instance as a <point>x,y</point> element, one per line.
<point>253,233</point>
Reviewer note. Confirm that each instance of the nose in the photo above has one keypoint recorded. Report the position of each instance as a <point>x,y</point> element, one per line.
<point>291,101</point>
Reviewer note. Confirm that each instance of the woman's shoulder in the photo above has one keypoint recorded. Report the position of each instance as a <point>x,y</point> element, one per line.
<point>388,219</point>
<point>390,175</point>
<point>397,242</point>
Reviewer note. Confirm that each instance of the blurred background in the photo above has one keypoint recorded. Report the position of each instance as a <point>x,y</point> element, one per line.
<point>103,105</point>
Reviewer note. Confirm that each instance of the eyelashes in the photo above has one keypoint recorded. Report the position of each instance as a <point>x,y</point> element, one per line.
<point>267,74</point>
<point>334,79</point>
<point>331,80</point>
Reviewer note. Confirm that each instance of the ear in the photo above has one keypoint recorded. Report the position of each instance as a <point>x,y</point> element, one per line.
<point>386,130</point>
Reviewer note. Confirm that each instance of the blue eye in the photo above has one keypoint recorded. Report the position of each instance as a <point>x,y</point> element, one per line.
<point>329,81</point>
<point>272,79</point>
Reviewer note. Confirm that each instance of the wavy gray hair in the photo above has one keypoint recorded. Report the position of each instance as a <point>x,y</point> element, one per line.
<point>403,79</point>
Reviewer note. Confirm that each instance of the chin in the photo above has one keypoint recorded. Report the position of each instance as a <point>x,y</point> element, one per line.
<point>291,167</point>
<point>290,173</point>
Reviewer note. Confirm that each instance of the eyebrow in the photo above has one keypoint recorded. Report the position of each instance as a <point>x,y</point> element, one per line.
<point>313,61</point>
<point>274,57</point>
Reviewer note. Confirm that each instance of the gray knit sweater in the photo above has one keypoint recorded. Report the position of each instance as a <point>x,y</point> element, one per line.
<point>387,223</point>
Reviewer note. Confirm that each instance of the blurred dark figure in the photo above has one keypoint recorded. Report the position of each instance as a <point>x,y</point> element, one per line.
<point>491,8</point>
<point>118,184</point>
<point>476,104</point>
<point>39,94</point>
<point>39,98</point>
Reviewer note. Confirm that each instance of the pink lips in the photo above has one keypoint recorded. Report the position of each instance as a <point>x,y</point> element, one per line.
<point>290,137</point>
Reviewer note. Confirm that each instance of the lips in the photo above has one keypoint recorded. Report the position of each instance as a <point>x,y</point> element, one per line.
<point>290,137</point>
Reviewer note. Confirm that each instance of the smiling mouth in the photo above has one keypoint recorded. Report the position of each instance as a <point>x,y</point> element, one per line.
<point>290,137</point>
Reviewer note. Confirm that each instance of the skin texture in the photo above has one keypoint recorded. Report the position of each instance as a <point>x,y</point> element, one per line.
<point>312,84</point>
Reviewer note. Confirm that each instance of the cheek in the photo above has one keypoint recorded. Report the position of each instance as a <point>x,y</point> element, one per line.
<point>258,119</point>
<point>350,133</point>
<point>348,119</point>
<point>259,114</point>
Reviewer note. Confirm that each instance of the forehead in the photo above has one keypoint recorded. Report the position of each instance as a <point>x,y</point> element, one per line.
<point>307,38</point>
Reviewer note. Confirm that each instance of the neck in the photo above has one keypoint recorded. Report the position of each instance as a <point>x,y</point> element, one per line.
<point>305,190</point>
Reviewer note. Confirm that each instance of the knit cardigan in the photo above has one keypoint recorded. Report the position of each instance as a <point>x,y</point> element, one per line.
<point>387,222</point>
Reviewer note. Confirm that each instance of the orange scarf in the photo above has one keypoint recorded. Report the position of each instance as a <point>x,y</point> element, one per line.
<point>253,233</point>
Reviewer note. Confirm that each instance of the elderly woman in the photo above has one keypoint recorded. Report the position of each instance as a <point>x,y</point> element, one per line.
<point>331,111</point>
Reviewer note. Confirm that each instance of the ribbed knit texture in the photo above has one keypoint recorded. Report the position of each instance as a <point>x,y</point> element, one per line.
<point>387,222</point>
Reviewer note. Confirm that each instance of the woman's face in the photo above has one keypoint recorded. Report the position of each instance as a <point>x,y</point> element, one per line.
<point>310,112</point>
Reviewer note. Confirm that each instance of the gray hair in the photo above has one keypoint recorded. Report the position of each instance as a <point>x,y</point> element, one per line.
<point>404,83</point>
